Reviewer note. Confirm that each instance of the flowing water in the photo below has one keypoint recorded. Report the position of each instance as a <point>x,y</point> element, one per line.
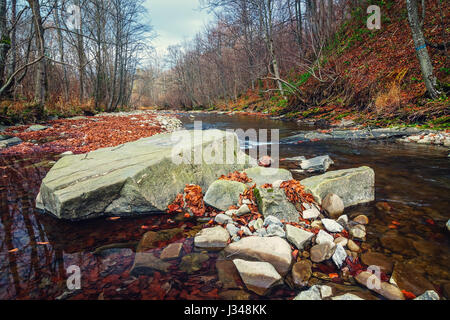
<point>36,249</point>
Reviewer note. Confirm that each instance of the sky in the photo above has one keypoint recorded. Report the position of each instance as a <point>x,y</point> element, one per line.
<point>175,21</point>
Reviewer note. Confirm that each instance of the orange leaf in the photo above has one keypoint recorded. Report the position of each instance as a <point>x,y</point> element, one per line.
<point>408,295</point>
<point>13,250</point>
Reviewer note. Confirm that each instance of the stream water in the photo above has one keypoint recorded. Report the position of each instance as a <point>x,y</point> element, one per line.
<point>36,249</point>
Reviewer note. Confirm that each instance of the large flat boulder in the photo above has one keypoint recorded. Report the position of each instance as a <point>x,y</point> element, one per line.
<point>353,186</point>
<point>143,176</point>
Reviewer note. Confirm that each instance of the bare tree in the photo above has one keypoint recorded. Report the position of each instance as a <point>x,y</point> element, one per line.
<point>421,50</point>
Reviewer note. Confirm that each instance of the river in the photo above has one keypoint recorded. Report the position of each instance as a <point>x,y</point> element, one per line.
<point>412,185</point>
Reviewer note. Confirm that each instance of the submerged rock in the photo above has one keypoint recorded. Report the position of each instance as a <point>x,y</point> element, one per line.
<point>172,251</point>
<point>301,273</point>
<point>385,289</point>
<point>228,274</point>
<point>147,263</point>
<point>273,250</point>
<point>385,264</point>
<point>192,262</point>
<point>258,277</point>
<point>409,279</point>
<point>353,186</point>
<point>222,194</point>
<point>137,177</point>
<point>273,202</point>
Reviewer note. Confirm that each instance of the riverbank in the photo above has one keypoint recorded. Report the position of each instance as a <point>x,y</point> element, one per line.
<point>82,134</point>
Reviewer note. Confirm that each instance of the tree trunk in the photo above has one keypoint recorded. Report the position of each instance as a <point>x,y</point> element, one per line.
<point>5,41</point>
<point>41,84</point>
<point>421,49</point>
<point>61,53</point>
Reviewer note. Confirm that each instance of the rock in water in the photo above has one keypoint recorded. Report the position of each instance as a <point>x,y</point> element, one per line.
<point>212,238</point>
<point>339,256</point>
<point>147,263</point>
<point>222,194</point>
<point>317,164</point>
<point>347,296</point>
<point>312,293</point>
<point>353,186</point>
<point>8,141</point>
<point>428,295</point>
<point>258,277</point>
<point>333,204</point>
<point>274,250</point>
<point>273,202</point>
<point>322,252</point>
<point>172,251</point>
<point>138,177</point>
<point>379,260</point>
<point>385,289</point>
<point>261,176</point>
<point>301,273</point>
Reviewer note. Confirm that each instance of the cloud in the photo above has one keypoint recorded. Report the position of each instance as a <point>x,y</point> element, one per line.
<point>175,20</point>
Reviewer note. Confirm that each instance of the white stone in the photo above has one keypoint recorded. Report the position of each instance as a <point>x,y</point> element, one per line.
<point>274,250</point>
<point>428,295</point>
<point>343,220</point>
<point>276,230</point>
<point>258,277</point>
<point>272,220</point>
<point>326,291</point>
<point>216,237</point>
<point>244,209</point>
<point>222,219</point>
<point>332,225</point>
<point>312,213</point>
<point>297,236</point>
<point>347,296</point>
<point>339,255</point>
<point>323,237</point>
<point>312,293</point>
<point>232,229</point>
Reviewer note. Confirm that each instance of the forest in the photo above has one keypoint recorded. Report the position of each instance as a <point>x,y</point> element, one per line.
<point>61,57</point>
